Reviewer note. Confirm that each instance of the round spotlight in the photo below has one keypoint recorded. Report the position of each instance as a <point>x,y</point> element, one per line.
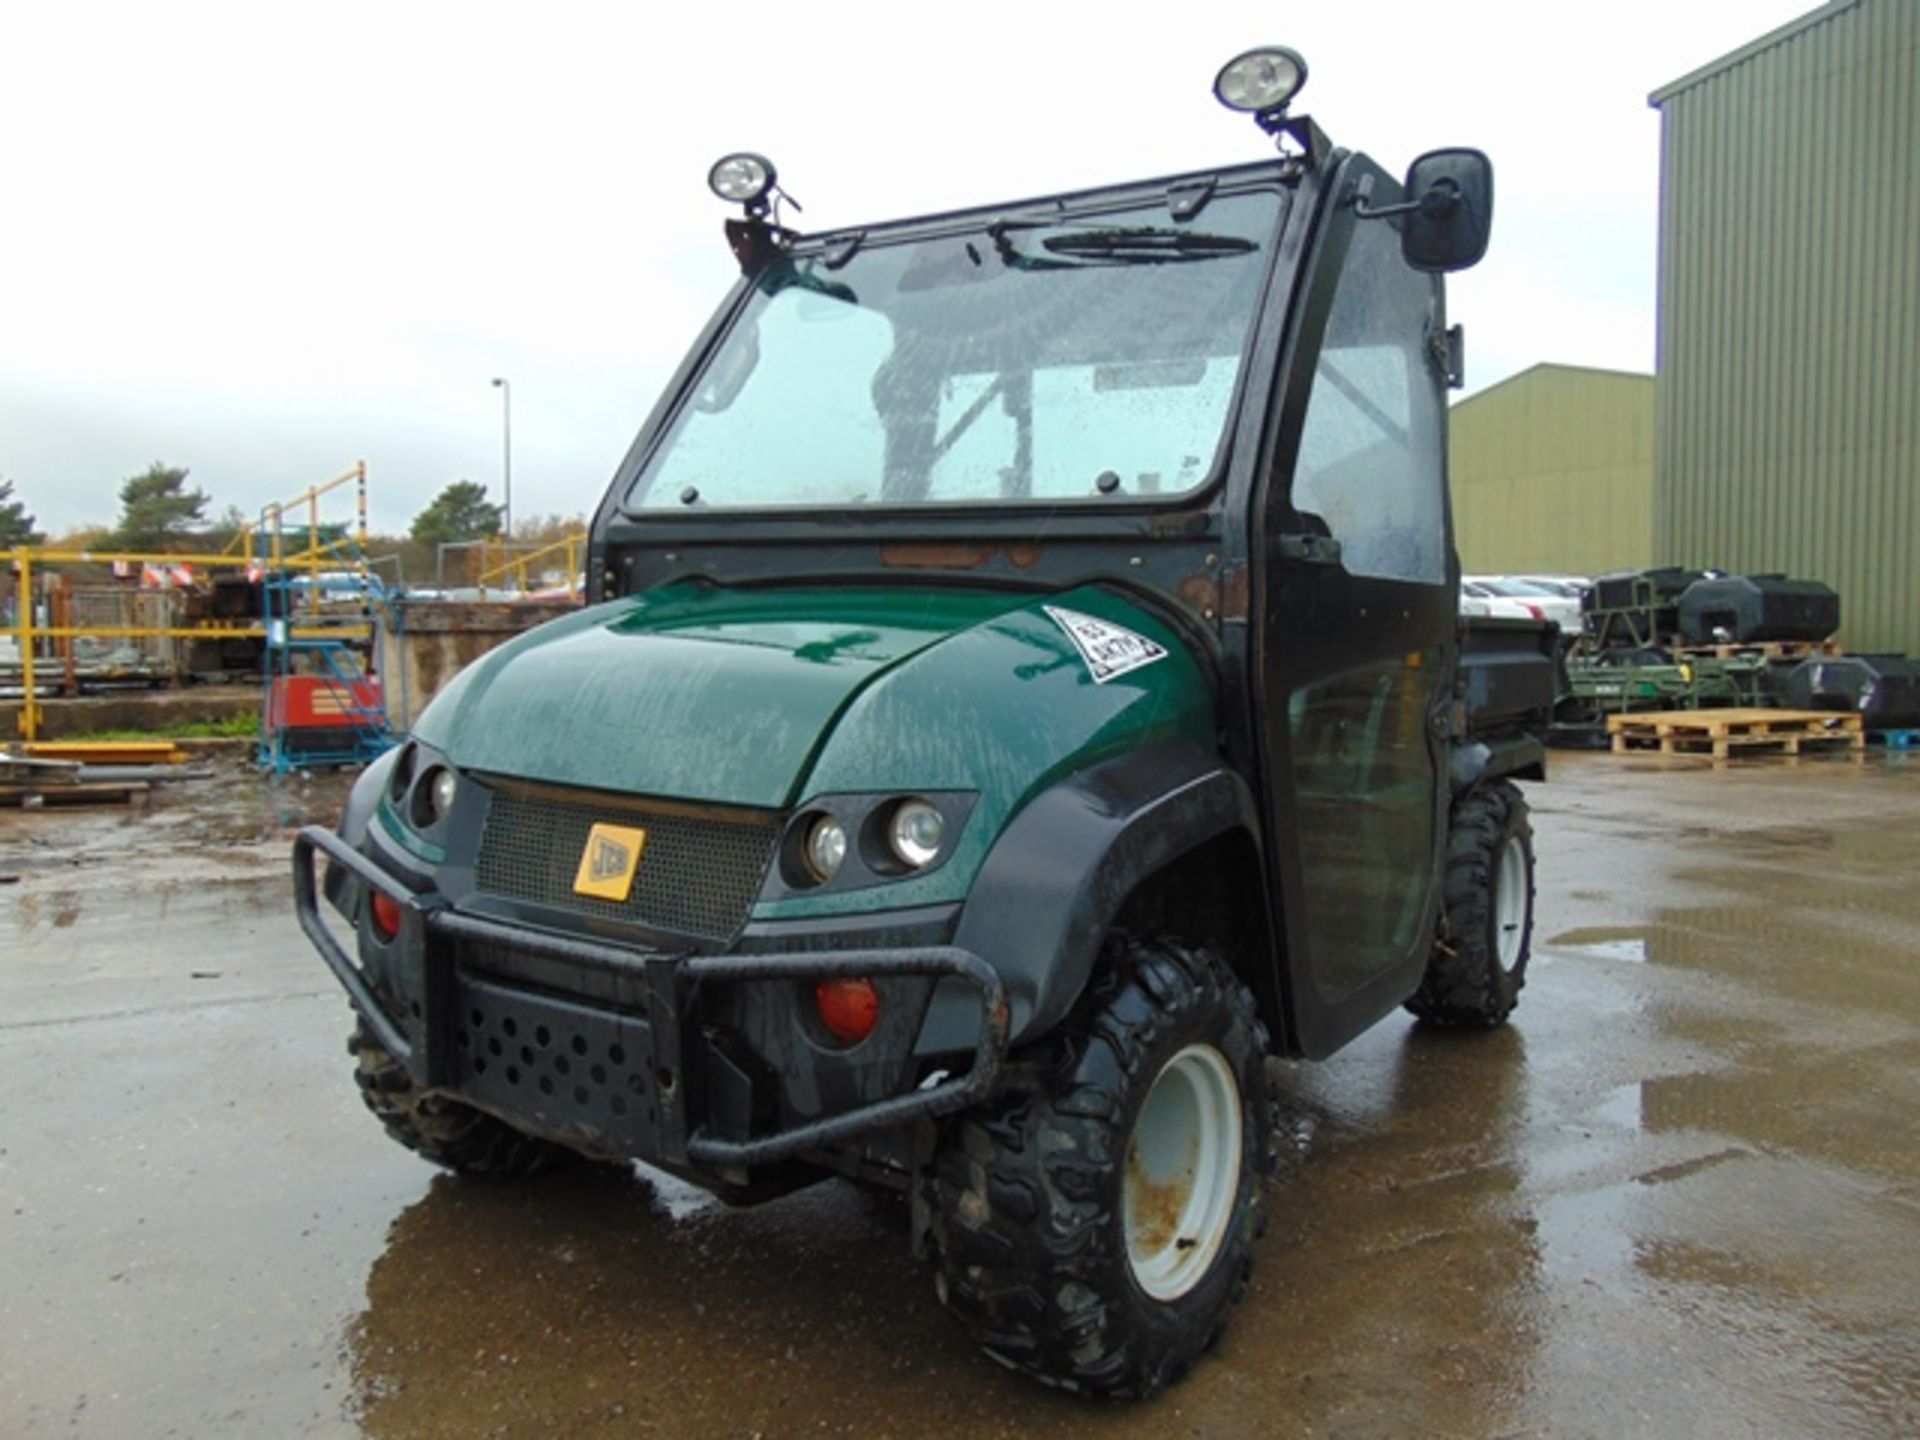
<point>744,179</point>
<point>1263,79</point>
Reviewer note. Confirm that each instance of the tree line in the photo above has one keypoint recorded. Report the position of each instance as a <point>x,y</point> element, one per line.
<point>159,513</point>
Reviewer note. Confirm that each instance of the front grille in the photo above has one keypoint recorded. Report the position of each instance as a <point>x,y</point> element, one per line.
<point>698,871</point>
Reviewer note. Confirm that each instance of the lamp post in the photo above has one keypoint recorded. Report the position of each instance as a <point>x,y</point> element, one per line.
<point>505,387</point>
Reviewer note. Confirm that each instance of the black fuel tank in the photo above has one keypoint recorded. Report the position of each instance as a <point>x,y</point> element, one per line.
<point>1746,609</point>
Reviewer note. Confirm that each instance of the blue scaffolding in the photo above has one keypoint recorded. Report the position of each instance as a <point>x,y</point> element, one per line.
<point>322,704</point>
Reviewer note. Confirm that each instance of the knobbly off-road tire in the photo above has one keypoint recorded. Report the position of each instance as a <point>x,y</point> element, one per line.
<point>1030,1196</point>
<point>441,1129</point>
<point>1479,960</point>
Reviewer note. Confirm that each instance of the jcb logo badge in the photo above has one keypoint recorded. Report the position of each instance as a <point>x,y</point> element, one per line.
<point>608,862</point>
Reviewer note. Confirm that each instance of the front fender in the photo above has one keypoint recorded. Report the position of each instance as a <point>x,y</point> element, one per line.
<point>356,815</point>
<point>1049,890</point>
<point>1002,710</point>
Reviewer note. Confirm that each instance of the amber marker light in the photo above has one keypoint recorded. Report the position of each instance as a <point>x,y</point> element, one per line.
<point>848,1008</point>
<point>386,915</point>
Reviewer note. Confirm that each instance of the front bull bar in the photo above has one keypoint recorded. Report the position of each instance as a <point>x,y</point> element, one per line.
<point>669,977</point>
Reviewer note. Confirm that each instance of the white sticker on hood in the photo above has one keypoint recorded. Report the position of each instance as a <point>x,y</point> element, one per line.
<point>1108,649</point>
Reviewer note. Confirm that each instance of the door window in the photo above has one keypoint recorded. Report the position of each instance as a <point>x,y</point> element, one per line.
<point>1370,469</point>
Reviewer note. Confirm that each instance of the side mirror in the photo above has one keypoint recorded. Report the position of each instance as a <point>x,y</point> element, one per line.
<point>1449,213</point>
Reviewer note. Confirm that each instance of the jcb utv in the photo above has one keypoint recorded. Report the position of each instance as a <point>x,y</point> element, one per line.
<point>1024,691</point>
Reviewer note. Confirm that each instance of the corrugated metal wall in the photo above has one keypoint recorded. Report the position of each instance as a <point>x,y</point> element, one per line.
<point>1552,473</point>
<point>1788,426</point>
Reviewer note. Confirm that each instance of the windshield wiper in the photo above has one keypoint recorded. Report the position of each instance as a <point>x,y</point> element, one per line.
<point>1126,245</point>
<point>1145,245</point>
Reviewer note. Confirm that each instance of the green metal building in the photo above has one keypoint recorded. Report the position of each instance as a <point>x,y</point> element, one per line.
<point>1552,473</point>
<point>1788,425</point>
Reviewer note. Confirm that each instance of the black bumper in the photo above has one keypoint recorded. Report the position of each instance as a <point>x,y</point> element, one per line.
<point>612,1078</point>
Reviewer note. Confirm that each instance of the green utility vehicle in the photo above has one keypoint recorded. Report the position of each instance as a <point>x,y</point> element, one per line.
<point>1025,692</point>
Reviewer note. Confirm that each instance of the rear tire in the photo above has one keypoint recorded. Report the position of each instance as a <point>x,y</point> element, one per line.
<point>1095,1234</point>
<point>441,1129</point>
<point>1479,960</point>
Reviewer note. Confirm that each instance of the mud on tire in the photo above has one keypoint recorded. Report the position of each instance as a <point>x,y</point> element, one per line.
<point>1031,1204</point>
<point>441,1129</point>
<point>1479,960</point>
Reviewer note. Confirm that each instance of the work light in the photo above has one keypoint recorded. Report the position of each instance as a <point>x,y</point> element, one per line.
<point>1260,80</point>
<point>744,178</point>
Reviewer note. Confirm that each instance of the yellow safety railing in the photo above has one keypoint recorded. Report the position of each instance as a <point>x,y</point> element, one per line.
<point>240,554</point>
<point>521,566</point>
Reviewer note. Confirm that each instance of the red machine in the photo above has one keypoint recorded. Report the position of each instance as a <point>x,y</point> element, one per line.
<point>321,702</point>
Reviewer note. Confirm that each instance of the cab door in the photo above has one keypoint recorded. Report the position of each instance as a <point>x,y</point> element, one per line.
<point>1357,618</point>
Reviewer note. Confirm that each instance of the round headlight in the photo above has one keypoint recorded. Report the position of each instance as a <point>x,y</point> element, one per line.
<point>826,847</point>
<point>915,832</point>
<point>433,797</point>
<point>744,178</point>
<point>1263,79</point>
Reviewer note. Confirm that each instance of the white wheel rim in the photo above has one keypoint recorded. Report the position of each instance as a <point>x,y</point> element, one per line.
<point>1183,1172</point>
<point>1510,902</point>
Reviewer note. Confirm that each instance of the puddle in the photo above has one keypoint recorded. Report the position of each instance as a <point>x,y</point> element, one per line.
<point>1605,944</point>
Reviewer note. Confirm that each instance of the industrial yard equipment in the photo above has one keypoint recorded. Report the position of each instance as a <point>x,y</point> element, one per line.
<point>1749,609</point>
<point>1884,690</point>
<point>1636,609</point>
<point>1673,639</point>
<point>323,706</point>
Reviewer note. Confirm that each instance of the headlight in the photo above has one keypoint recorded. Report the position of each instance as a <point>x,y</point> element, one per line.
<point>433,797</point>
<point>914,833</point>
<point>826,847</point>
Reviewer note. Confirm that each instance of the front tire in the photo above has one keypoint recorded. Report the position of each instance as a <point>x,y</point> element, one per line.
<point>441,1129</point>
<point>1480,953</point>
<point>1095,1234</point>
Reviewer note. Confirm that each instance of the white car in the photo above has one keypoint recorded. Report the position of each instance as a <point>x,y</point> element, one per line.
<point>1539,600</point>
<point>1498,607</point>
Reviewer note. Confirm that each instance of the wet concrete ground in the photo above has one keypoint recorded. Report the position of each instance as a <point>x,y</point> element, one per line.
<point>1680,1195</point>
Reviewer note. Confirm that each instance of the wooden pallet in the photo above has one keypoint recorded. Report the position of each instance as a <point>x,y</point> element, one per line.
<point>1721,732</point>
<point>1763,650</point>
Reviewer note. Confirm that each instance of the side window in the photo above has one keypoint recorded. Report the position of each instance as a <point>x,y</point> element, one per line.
<point>1370,465</point>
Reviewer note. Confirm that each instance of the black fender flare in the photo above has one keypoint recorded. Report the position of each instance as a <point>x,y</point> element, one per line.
<point>1474,761</point>
<point>1046,895</point>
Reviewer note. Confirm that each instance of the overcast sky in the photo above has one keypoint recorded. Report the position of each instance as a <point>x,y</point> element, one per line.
<point>263,246</point>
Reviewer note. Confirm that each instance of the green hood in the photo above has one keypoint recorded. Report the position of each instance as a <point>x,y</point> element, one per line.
<point>769,698</point>
<point>696,692</point>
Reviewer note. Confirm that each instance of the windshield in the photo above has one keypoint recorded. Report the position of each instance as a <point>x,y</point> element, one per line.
<point>1085,358</point>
